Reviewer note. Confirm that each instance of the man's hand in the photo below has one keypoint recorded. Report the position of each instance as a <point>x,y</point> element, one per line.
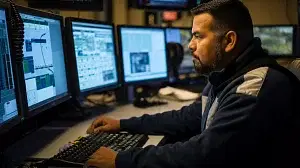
<point>103,158</point>
<point>104,124</point>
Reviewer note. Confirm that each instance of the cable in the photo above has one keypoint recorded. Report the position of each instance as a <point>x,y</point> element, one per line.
<point>43,54</point>
<point>17,34</point>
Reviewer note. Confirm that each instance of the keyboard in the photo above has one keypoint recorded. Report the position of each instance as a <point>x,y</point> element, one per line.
<point>77,154</point>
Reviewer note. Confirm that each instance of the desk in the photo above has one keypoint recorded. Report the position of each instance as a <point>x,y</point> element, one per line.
<point>42,144</point>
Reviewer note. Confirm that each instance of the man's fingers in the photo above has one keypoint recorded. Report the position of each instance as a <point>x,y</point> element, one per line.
<point>97,122</point>
<point>100,151</point>
<point>90,130</point>
<point>103,157</point>
<point>95,156</point>
<point>93,162</point>
<point>98,154</point>
<point>101,129</point>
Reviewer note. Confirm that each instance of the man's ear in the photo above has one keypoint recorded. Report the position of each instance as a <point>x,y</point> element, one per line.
<point>230,41</point>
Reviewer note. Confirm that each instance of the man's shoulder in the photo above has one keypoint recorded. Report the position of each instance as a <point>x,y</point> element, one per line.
<point>262,78</point>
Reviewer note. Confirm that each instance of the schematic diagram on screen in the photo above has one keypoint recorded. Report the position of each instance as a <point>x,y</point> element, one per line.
<point>38,60</point>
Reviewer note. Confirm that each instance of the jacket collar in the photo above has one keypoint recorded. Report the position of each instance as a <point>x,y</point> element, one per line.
<point>252,52</point>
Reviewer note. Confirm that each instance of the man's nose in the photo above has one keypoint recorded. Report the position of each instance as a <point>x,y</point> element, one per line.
<point>192,46</point>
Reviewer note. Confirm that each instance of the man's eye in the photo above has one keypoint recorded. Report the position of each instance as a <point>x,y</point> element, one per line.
<point>198,36</point>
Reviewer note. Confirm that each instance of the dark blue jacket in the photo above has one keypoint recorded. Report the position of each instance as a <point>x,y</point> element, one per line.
<point>246,118</point>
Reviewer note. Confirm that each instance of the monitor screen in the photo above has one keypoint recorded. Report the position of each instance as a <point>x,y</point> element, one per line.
<point>95,55</point>
<point>44,61</point>
<point>8,104</point>
<point>277,40</point>
<point>182,36</point>
<point>143,53</point>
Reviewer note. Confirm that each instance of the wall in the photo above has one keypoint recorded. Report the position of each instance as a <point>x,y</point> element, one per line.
<point>268,11</point>
<point>262,12</point>
<point>67,13</point>
<point>136,16</point>
<point>123,15</point>
<point>292,11</point>
<point>120,12</point>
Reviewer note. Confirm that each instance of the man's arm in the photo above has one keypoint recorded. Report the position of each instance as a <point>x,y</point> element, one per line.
<point>239,132</point>
<point>186,121</point>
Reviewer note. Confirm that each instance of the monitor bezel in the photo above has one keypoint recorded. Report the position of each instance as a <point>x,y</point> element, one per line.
<point>146,81</point>
<point>294,54</point>
<point>55,101</point>
<point>9,124</point>
<point>73,62</point>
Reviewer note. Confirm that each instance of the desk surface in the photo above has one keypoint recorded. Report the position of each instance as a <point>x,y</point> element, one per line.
<point>46,142</point>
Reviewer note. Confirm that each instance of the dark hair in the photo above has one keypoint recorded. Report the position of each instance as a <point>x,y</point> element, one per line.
<point>228,15</point>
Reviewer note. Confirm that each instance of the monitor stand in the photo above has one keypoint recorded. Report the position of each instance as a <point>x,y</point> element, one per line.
<point>73,111</point>
<point>77,111</point>
<point>145,97</point>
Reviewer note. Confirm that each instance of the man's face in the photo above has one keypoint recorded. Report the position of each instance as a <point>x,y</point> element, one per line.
<point>206,46</point>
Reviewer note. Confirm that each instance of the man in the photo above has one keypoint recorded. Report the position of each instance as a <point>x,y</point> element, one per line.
<point>247,112</point>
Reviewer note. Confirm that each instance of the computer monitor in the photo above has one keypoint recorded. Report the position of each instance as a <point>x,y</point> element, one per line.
<point>9,106</point>
<point>144,55</point>
<point>92,55</point>
<point>44,60</point>
<point>278,40</point>
<point>182,36</point>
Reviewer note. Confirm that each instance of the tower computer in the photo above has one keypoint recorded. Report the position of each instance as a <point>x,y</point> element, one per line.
<point>144,59</point>
<point>44,62</point>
